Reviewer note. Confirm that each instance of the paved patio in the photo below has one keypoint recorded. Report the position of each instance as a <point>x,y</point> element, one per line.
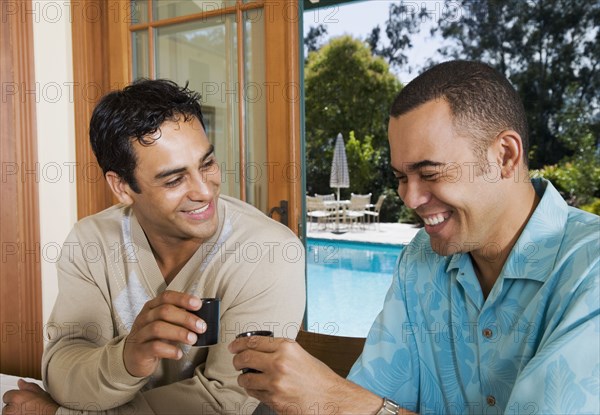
<point>384,233</point>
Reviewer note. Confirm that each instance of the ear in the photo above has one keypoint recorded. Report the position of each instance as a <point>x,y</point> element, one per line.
<point>119,187</point>
<point>510,153</point>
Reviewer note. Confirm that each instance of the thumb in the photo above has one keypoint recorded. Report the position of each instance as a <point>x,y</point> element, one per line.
<point>29,386</point>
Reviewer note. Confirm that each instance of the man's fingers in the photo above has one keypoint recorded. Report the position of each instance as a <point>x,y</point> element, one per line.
<point>248,359</point>
<point>259,343</point>
<point>176,298</point>
<point>161,309</point>
<point>164,350</point>
<point>7,397</point>
<point>163,332</point>
<point>175,316</point>
<point>17,397</point>
<point>29,386</point>
<point>149,352</point>
<point>157,330</point>
<point>263,354</point>
<point>254,383</point>
<point>31,400</point>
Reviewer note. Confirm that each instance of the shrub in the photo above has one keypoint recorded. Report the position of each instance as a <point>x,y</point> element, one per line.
<point>578,183</point>
<point>390,210</point>
<point>593,207</point>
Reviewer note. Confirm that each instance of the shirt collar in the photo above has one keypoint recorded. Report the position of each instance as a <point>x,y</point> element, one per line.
<point>534,253</point>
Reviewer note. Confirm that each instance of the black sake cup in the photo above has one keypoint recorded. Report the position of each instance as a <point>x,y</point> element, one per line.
<point>266,333</point>
<point>209,312</point>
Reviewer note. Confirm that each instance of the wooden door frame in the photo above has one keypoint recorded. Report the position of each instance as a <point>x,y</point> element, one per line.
<point>96,71</point>
<point>20,268</point>
<point>283,110</point>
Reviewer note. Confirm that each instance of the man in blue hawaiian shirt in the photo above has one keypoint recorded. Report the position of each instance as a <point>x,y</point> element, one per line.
<point>495,304</point>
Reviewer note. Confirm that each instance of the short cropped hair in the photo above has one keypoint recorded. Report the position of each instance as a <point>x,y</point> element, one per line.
<point>482,101</point>
<point>135,113</point>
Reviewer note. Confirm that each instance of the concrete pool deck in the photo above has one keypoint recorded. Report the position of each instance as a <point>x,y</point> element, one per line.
<point>384,233</point>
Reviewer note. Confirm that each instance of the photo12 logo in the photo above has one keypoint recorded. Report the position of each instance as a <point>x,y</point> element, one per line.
<point>51,172</point>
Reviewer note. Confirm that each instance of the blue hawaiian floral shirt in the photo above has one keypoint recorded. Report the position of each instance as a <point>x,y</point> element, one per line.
<point>531,347</point>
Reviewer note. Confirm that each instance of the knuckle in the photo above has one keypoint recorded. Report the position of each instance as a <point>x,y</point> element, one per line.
<point>277,385</point>
<point>280,365</point>
<point>163,311</point>
<point>155,329</point>
<point>147,306</point>
<point>244,357</point>
<point>156,347</point>
<point>287,347</point>
<point>253,342</point>
<point>166,296</point>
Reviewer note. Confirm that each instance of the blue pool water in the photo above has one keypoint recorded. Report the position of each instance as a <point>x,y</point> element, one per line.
<point>346,285</point>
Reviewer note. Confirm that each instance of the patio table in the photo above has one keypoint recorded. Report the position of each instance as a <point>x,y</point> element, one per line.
<point>337,205</point>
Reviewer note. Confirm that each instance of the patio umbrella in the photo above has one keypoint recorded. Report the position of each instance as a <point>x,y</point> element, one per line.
<point>339,167</point>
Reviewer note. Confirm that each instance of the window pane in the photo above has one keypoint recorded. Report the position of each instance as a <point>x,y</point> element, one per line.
<point>139,11</point>
<point>254,94</point>
<point>165,9</point>
<point>204,53</point>
<point>141,64</point>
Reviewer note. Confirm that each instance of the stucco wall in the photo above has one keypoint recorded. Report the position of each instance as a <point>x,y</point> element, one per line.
<point>55,135</point>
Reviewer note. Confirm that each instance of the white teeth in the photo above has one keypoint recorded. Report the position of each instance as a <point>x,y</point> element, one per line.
<point>199,210</point>
<point>434,220</point>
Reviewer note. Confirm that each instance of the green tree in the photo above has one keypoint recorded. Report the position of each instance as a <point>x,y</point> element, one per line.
<point>364,159</point>
<point>348,89</point>
<point>314,38</point>
<point>549,49</point>
<point>404,22</point>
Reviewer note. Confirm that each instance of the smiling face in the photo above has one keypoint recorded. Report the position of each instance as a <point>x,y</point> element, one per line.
<point>440,177</point>
<point>179,181</point>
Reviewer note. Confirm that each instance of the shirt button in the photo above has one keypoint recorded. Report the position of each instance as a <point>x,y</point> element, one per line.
<point>487,333</point>
<point>491,401</point>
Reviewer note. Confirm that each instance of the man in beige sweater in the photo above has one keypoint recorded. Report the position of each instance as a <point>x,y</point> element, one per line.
<point>120,338</point>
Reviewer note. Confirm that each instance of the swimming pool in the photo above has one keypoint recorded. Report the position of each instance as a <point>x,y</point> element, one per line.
<point>346,284</point>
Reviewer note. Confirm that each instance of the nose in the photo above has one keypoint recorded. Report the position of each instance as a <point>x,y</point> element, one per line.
<point>201,188</point>
<point>413,193</point>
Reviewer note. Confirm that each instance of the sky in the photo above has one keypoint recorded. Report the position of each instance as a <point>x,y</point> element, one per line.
<point>360,17</point>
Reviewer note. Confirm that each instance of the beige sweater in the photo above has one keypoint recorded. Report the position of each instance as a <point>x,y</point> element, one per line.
<point>107,272</point>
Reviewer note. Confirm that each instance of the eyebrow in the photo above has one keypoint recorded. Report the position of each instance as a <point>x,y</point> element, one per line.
<point>419,165</point>
<point>170,172</point>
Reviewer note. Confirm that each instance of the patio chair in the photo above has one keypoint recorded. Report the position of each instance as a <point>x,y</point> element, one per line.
<point>374,214</point>
<point>316,209</point>
<point>358,207</point>
<point>326,198</point>
<point>330,205</point>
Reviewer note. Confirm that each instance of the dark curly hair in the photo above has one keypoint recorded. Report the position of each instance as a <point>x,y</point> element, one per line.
<point>482,101</point>
<point>135,113</point>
